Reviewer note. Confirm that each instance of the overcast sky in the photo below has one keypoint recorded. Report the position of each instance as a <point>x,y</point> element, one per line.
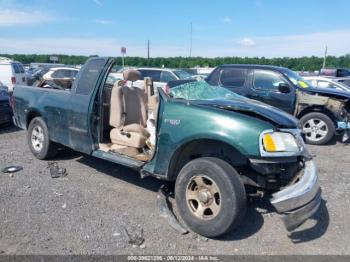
<point>220,28</point>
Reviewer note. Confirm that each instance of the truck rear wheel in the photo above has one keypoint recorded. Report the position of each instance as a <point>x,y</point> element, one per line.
<point>210,196</point>
<point>39,141</point>
<point>318,128</point>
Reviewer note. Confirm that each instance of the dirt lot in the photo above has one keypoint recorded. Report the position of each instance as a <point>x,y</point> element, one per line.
<point>86,212</point>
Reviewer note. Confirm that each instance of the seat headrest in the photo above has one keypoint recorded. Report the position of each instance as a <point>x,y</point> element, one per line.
<point>131,75</point>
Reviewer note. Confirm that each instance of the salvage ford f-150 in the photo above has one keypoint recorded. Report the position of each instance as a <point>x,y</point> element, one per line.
<point>217,150</point>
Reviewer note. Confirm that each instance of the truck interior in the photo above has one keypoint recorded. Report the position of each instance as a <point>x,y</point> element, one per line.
<point>129,116</point>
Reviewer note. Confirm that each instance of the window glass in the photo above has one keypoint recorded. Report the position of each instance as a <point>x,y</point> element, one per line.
<point>58,74</point>
<point>295,78</point>
<point>343,73</point>
<point>183,75</point>
<point>16,68</point>
<point>213,78</point>
<point>325,84</point>
<point>166,77</point>
<point>267,80</point>
<point>233,77</point>
<point>74,73</point>
<point>89,76</point>
<point>313,82</point>
<point>154,74</point>
<point>21,68</point>
<point>67,73</point>
<point>345,81</point>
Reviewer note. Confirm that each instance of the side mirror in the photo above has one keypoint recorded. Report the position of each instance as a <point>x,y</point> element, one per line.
<point>284,88</point>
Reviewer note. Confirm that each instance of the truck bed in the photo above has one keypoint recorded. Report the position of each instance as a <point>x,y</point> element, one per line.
<point>27,98</point>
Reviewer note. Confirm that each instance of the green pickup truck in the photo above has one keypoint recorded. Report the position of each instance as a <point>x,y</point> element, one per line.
<point>217,146</point>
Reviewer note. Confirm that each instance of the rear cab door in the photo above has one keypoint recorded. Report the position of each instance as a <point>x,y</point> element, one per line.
<point>83,105</point>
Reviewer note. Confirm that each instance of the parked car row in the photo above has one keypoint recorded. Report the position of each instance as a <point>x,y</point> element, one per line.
<point>56,77</point>
<point>45,75</point>
<point>160,76</point>
<point>335,72</point>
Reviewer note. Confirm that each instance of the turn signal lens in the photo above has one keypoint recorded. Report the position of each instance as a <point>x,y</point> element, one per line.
<point>269,144</point>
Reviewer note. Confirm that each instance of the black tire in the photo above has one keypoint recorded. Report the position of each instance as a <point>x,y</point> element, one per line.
<point>232,196</point>
<point>48,148</point>
<point>317,139</point>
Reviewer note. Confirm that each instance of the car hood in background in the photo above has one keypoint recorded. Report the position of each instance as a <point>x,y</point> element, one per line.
<point>253,108</point>
<point>331,92</point>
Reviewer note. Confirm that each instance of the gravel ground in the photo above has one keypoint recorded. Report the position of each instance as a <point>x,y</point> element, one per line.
<point>88,211</point>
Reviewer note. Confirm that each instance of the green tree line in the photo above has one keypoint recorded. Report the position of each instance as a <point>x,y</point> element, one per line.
<point>300,63</point>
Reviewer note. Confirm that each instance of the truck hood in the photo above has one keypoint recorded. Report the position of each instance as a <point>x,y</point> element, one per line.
<point>331,92</point>
<point>253,108</point>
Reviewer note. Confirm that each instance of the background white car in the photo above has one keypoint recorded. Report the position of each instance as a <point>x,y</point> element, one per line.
<point>162,76</point>
<point>61,73</point>
<point>325,82</point>
<point>61,76</point>
<point>12,73</point>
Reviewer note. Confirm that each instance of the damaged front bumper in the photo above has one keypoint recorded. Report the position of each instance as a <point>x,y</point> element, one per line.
<point>299,201</point>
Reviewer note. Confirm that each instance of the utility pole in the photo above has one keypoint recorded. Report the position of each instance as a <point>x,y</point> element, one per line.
<point>123,51</point>
<point>148,53</point>
<point>325,57</point>
<point>191,41</point>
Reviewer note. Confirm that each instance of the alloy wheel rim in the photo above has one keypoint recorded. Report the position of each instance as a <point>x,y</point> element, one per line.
<point>37,138</point>
<point>203,197</point>
<point>315,129</point>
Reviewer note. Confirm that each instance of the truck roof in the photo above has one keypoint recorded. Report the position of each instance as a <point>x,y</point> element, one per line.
<point>252,66</point>
<point>158,68</point>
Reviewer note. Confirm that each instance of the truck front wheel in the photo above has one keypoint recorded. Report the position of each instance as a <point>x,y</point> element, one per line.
<point>318,128</point>
<point>39,141</point>
<point>210,196</point>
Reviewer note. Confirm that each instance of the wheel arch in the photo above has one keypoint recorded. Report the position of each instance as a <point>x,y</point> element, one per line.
<point>317,109</point>
<point>204,148</point>
<point>31,115</point>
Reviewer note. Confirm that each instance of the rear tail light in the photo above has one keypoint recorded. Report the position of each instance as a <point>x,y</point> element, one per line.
<point>13,80</point>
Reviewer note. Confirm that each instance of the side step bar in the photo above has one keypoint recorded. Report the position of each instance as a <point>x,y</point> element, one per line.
<point>119,159</point>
